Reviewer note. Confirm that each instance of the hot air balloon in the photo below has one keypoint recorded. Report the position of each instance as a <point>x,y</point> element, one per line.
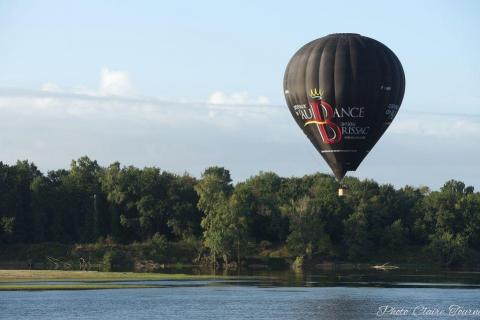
<point>344,90</point>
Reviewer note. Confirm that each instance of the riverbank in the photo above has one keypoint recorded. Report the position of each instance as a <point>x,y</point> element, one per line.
<point>132,261</point>
<point>47,275</point>
<point>84,280</point>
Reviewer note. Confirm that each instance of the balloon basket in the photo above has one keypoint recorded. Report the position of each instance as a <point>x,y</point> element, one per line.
<point>342,191</point>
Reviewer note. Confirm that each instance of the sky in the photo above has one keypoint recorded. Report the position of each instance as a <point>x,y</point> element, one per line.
<point>184,85</point>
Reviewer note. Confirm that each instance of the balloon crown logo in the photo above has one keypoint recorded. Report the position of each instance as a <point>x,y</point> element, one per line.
<point>316,93</point>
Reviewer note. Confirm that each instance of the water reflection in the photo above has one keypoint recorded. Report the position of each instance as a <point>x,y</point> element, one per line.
<point>250,298</point>
<point>264,279</point>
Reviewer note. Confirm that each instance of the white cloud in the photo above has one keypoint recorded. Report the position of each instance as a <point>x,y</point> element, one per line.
<point>437,125</point>
<point>114,82</point>
<point>53,125</point>
<point>50,87</point>
<point>51,128</point>
<point>80,103</point>
<point>237,98</point>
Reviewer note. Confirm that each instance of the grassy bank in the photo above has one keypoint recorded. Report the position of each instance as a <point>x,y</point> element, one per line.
<point>84,280</point>
<point>83,286</point>
<point>52,275</point>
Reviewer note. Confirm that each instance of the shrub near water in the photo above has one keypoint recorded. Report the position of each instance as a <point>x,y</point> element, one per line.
<point>107,262</point>
<point>158,247</point>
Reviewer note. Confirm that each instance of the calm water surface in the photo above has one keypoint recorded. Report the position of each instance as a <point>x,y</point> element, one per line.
<point>286,296</point>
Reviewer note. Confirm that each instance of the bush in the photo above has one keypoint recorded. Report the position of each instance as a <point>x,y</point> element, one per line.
<point>447,247</point>
<point>298,263</point>
<point>158,247</point>
<point>110,259</point>
<point>159,241</point>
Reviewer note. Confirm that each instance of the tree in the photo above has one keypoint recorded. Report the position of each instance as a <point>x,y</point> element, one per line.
<point>214,187</point>
<point>23,173</point>
<point>184,217</point>
<point>395,235</point>
<point>82,185</point>
<point>7,203</point>
<point>469,207</point>
<point>265,220</point>
<point>307,220</point>
<point>411,202</point>
<point>41,189</point>
<point>447,247</point>
<point>223,223</point>
<point>356,234</point>
<point>88,202</point>
<point>109,182</point>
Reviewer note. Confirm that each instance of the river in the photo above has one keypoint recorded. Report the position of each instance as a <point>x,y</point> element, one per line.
<point>373,295</point>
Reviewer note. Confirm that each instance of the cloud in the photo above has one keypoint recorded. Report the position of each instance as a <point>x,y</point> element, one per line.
<point>437,125</point>
<point>50,87</point>
<point>115,83</point>
<point>53,125</point>
<point>112,83</point>
<point>116,98</point>
<point>237,98</point>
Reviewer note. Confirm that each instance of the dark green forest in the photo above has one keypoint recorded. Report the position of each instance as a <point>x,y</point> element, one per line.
<point>213,219</point>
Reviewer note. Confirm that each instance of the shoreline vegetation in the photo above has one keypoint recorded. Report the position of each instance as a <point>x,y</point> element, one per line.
<point>118,218</point>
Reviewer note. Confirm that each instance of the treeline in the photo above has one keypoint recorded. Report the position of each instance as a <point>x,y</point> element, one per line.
<point>266,214</point>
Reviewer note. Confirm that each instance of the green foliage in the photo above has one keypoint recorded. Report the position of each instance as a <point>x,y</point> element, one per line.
<point>159,241</point>
<point>298,263</point>
<point>224,223</point>
<point>395,235</point>
<point>262,196</point>
<point>356,234</point>
<point>447,247</point>
<point>305,225</point>
<point>159,246</point>
<point>110,258</point>
<point>177,218</point>
<point>7,224</point>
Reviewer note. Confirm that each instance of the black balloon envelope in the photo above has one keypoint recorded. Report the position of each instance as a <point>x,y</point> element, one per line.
<point>344,90</point>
